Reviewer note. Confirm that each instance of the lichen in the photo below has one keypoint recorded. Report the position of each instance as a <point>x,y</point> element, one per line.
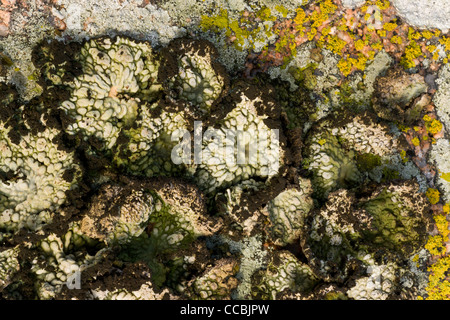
<point>37,173</point>
<point>334,206</point>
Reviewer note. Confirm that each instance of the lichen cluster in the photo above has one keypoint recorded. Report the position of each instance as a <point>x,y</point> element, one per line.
<point>152,173</point>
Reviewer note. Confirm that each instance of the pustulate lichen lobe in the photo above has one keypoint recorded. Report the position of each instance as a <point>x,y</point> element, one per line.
<point>115,205</point>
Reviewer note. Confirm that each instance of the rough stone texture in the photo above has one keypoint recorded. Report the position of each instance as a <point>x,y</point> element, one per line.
<point>425,13</point>
<point>440,154</point>
<point>442,95</point>
<point>352,3</point>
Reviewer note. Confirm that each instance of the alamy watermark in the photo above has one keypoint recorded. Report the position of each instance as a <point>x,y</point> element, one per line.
<point>74,280</point>
<point>258,148</point>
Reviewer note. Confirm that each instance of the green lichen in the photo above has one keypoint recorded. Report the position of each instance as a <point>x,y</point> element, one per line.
<point>398,213</point>
<point>285,275</point>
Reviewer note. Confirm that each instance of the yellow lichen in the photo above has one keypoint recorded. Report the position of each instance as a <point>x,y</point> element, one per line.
<point>445,41</point>
<point>312,34</point>
<point>442,225</point>
<point>427,34</point>
<point>446,208</point>
<point>359,45</point>
<point>412,52</point>
<point>345,66</point>
<point>403,156</point>
<point>377,46</point>
<point>284,11</point>
<point>415,141</point>
<point>438,287</point>
<point>265,14</point>
<point>390,26</point>
<point>382,33</point>
<point>431,48</point>
<point>435,245</point>
<point>383,4</point>
<point>434,126</point>
<point>433,195</point>
<point>436,56</point>
<point>446,177</point>
<point>396,40</point>
<point>336,45</point>
<point>300,18</point>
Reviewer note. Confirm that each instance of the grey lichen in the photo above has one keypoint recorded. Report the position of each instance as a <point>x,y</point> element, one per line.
<point>117,75</point>
<point>8,266</point>
<point>246,221</point>
<point>148,150</point>
<point>378,285</point>
<point>36,175</point>
<point>332,166</point>
<point>224,164</point>
<point>196,77</point>
<point>54,266</point>
<point>115,217</point>
<point>340,148</point>
<point>287,213</point>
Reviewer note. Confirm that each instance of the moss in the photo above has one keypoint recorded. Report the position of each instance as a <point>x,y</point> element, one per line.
<point>304,77</point>
<point>368,161</point>
<point>5,60</point>
<point>389,174</point>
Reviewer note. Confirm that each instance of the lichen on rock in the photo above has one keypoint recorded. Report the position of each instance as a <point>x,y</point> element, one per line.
<point>395,93</point>
<point>306,181</point>
<point>217,282</point>
<point>259,150</point>
<point>195,76</point>
<point>392,221</point>
<point>8,266</point>
<point>287,212</point>
<point>37,172</point>
<point>118,74</point>
<point>284,276</point>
